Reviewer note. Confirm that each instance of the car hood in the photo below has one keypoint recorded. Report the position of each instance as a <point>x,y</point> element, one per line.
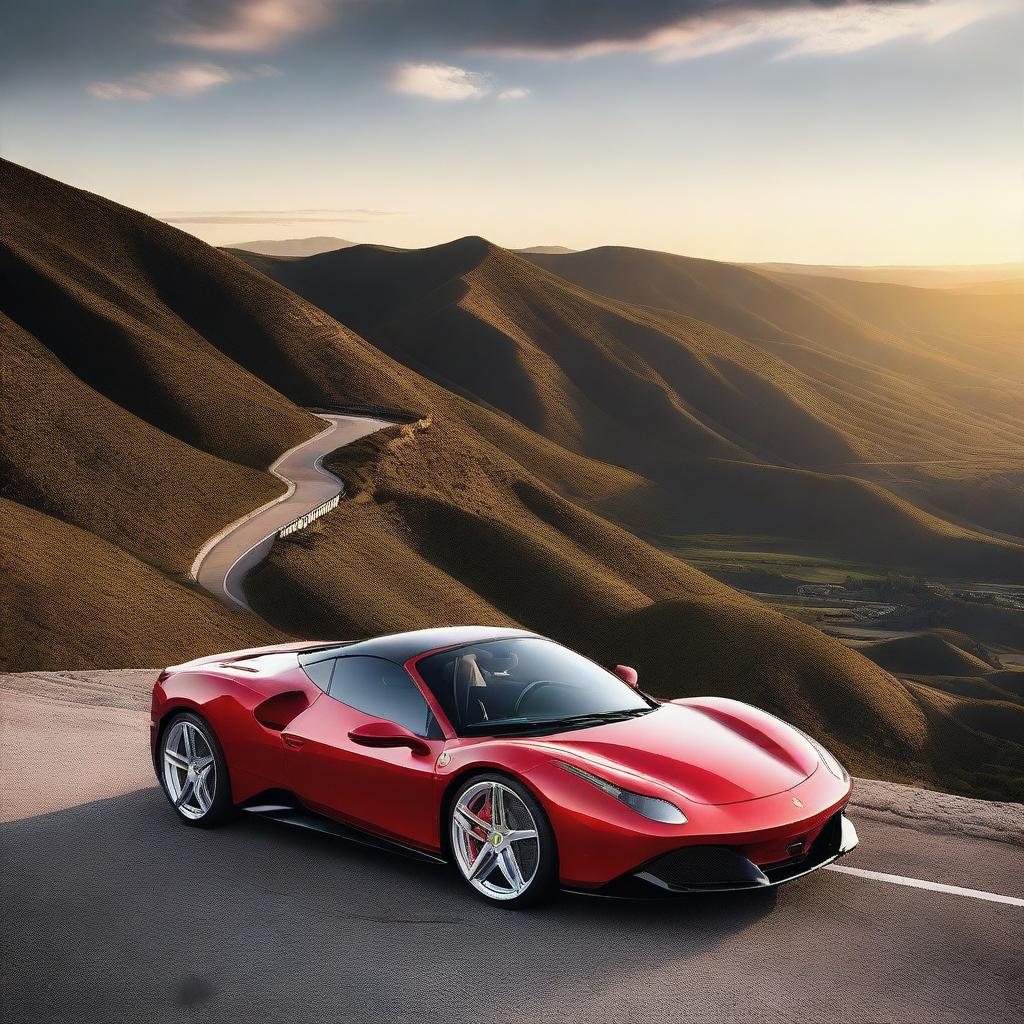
<point>709,751</point>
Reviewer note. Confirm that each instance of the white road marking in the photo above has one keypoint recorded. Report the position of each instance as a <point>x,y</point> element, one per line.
<point>921,883</point>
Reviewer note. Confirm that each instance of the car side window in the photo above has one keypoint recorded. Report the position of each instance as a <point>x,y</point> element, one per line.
<point>318,670</point>
<point>382,689</point>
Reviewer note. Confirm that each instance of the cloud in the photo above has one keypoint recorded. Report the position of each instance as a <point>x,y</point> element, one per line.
<point>666,29</point>
<point>804,30</point>
<point>439,82</point>
<point>513,94</point>
<point>303,216</point>
<point>119,91</point>
<point>247,26</point>
<point>179,80</point>
<point>218,219</point>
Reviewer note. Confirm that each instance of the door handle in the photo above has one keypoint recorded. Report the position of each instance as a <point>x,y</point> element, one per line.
<point>292,740</point>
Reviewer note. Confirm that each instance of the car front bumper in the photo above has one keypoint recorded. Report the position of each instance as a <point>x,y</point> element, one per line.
<point>713,868</point>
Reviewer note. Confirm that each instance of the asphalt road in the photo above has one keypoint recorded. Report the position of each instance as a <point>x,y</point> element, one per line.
<point>222,563</point>
<point>114,911</point>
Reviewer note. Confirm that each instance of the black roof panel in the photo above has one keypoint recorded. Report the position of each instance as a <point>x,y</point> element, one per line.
<point>400,647</point>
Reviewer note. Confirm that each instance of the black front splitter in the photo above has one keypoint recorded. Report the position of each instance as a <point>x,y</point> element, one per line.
<point>645,883</point>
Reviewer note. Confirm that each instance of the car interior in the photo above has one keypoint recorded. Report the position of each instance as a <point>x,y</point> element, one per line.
<point>485,686</point>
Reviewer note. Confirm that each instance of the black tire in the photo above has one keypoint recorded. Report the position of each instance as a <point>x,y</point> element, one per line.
<point>544,882</point>
<point>221,809</point>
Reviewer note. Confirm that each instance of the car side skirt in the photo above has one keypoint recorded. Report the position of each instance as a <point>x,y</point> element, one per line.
<point>299,817</point>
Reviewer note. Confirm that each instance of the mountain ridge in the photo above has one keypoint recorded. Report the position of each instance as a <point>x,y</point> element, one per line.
<point>696,410</point>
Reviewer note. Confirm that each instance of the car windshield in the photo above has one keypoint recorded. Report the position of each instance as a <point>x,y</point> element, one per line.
<point>526,685</point>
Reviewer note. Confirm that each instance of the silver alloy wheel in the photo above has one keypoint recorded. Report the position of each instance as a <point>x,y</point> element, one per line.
<point>190,772</point>
<point>495,840</point>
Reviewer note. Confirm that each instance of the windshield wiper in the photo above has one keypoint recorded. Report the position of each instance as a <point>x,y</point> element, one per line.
<point>570,721</point>
<point>606,716</point>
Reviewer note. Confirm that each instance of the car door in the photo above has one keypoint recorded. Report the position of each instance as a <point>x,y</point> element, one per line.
<point>390,790</point>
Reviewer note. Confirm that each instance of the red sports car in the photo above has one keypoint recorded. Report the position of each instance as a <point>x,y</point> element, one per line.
<point>526,765</point>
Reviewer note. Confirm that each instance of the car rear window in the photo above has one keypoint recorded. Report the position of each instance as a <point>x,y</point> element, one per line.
<point>318,670</point>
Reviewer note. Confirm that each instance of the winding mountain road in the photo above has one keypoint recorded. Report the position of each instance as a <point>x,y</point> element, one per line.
<point>225,559</point>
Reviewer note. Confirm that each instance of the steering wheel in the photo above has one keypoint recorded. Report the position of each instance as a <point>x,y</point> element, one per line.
<point>536,684</point>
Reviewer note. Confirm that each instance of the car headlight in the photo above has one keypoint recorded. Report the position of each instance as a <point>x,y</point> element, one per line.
<point>649,806</point>
<point>829,760</point>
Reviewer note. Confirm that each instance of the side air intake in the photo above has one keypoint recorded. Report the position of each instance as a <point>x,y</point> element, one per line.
<point>277,712</point>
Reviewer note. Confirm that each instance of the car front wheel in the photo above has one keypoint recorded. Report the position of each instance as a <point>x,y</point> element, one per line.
<point>502,842</point>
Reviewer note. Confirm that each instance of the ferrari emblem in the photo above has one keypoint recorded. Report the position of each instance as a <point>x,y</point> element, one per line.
<point>443,758</point>
<point>797,801</point>
<point>496,840</point>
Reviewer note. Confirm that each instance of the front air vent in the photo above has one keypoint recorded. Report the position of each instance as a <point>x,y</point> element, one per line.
<point>703,867</point>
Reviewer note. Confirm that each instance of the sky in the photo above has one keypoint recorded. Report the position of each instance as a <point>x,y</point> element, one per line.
<point>811,131</point>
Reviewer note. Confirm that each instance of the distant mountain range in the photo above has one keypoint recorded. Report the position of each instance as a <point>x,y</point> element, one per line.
<point>987,279</point>
<point>325,243</point>
<point>550,250</point>
<point>149,380</point>
<point>292,246</point>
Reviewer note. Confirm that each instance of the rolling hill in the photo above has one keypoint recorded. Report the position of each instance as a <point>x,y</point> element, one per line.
<point>947,339</point>
<point>733,435</point>
<point>932,380</point>
<point>149,380</point>
<point>925,655</point>
<point>1013,286</point>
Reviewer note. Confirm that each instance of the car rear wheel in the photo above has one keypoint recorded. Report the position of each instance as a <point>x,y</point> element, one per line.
<point>193,772</point>
<point>502,842</point>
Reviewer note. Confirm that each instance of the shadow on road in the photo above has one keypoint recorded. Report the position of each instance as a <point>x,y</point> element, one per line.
<point>114,910</point>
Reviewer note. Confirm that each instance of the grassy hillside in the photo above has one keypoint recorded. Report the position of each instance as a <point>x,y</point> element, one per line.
<point>1007,287</point>
<point>730,433</point>
<point>977,331</point>
<point>70,599</point>
<point>151,379</point>
<point>935,342</point>
<point>929,383</point>
<point>925,654</point>
<point>146,381</point>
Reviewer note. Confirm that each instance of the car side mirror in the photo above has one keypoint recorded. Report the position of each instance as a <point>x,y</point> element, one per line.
<point>628,675</point>
<point>387,734</point>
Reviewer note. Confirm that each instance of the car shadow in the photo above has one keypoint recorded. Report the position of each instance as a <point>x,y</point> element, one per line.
<point>128,907</point>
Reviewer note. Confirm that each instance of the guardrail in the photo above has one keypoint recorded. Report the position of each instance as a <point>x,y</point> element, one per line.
<point>402,416</point>
<point>303,521</point>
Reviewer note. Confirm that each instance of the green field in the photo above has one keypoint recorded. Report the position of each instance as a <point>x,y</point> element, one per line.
<point>717,553</point>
